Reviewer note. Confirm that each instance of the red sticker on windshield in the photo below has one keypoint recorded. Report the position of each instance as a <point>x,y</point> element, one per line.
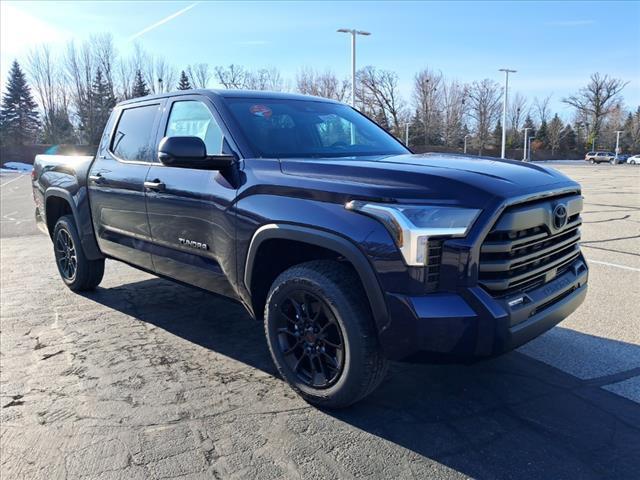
<point>261,111</point>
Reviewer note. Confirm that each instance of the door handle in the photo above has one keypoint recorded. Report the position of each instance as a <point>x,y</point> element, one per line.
<point>156,185</point>
<point>97,178</point>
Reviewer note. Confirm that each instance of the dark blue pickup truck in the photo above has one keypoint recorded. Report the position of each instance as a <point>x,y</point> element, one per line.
<point>349,248</point>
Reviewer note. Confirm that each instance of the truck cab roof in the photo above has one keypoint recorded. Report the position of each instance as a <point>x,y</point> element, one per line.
<point>230,93</point>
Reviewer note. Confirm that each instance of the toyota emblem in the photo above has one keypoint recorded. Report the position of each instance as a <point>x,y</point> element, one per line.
<point>559,216</point>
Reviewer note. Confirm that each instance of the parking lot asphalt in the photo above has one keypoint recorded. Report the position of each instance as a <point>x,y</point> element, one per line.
<point>144,378</point>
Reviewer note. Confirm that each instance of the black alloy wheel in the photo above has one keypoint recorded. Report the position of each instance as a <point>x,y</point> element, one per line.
<point>66,255</point>
<point>310,339</point>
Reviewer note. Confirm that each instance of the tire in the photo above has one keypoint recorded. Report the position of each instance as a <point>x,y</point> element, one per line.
<point>592,161</point>
<point>332,293</point>
<point>612,162</point>
<point>76,271</point>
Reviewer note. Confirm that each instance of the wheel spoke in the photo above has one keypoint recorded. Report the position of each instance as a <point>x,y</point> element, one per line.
<point>330,361</point>
<point>297,365</point>
<point>291,348</point>
<point>337,346</point>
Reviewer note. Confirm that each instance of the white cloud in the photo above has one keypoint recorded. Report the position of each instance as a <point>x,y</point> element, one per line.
<point>162,22</point>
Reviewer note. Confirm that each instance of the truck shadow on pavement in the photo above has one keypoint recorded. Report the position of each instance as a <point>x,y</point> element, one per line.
<point>511,417</point>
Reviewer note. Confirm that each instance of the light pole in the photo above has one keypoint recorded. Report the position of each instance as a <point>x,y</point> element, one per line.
<point>504,108</point>
<point>465,142</point>
<point>526,134</point>
<point>618,132</point>
<point>353,33</point>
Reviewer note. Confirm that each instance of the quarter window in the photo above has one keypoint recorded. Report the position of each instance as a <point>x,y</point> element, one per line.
<point>134,136</point>
<point>193,119</point>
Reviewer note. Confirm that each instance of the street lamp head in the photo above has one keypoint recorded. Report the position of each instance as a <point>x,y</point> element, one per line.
<point>507,70</point>
<point>353,31</point>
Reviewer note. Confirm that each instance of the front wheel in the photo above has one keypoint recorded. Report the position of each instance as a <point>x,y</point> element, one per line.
<point>592,161</point>
<point>77,272</point>
<point>321,334</point>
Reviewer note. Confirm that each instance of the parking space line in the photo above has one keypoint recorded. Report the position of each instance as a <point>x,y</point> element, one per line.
<point>624,267</point>
<point>12,180</point>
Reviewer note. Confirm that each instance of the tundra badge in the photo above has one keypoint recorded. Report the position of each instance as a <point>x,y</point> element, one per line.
<point>193,244</point>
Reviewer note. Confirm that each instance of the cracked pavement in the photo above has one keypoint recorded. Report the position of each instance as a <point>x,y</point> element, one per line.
<point>148,379</point>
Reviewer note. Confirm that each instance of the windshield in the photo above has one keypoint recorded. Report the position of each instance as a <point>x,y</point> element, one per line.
<point>277,128</point>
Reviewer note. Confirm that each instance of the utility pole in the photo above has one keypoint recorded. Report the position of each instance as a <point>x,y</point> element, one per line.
<point>526,134</point>
<point>465,142</point>
<point>618,132</point>
<point>529,149</point>
<point>504,109</point>
<point>353,33</point>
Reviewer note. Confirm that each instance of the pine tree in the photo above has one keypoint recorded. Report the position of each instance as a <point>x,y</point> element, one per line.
<point>569,139</point>
<point>19,123</point>
<point>528,123</point>
<point>103,100</point>
<point>497,134</point>
<point>140,88</point>
<point>542,133</point>
<point>184,82</point>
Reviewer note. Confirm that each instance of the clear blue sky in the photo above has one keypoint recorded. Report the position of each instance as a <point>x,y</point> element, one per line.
<point>555,46</point>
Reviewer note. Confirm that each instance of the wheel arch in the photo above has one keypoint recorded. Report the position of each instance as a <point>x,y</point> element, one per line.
<point>327,241</point>
<point>59,202</point>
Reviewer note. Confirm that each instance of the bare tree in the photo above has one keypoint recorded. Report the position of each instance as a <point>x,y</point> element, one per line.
<point>597,100</point>
<point>427,94</point>
<point>199,75</point>
<point>484,108</point>
<point>517,112</point>
<point>49,83</point>
<point>453,96</point>
<point>80,68</point>
<point>542,108</point>
<point>102,48</point>
<point>381,92</point>
<point>160,75</point>
<point>326,84</point>
<point>555,133</point>
<point>233,76</point>
<point>264,79</point>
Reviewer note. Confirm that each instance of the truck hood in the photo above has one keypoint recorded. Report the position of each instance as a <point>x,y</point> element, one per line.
<point>451,178</point>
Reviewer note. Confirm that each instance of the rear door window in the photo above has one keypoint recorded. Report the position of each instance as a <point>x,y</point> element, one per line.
<point>133,138</point>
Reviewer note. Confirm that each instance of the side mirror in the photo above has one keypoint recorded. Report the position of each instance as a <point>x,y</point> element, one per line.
<point>191,152</point>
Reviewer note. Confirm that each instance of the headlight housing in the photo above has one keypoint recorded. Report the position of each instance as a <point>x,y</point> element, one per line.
<point>411,226</point>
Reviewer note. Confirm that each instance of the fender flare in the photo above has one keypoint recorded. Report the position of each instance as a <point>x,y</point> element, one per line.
<point>89,243</point>
<point>331,241</point>
<point>63,194</point>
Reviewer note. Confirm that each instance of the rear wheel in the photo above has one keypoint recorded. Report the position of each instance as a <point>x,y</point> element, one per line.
<point>77,272</point>
<point>612,161</point>
<point>321,334</point>
<point>592,161</point>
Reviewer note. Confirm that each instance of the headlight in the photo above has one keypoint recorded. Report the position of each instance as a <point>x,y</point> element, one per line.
<point>411,226</point>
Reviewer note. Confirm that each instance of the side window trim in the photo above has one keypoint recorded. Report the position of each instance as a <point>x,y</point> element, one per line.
<point>154,130</point>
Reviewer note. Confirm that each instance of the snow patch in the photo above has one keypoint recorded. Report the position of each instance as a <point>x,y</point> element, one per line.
<point>12,167</point>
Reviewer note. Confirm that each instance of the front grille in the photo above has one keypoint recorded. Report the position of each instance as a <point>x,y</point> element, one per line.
<point>432,270</point>
<point>524,258</point>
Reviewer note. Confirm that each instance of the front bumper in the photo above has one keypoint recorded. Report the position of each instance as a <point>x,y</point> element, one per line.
<point>472,325</point>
